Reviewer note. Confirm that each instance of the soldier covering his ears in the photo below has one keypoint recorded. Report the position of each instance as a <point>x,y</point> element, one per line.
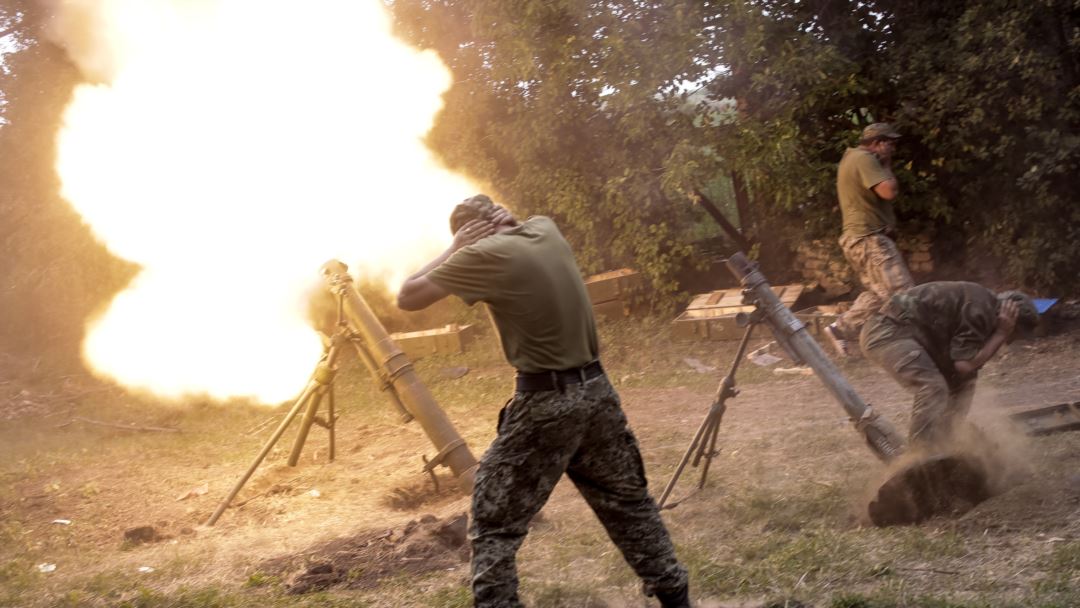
<point>564,416</point>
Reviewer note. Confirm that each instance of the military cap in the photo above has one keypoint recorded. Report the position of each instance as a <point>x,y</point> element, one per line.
<point>879,130</point>
<point>1027,313</point>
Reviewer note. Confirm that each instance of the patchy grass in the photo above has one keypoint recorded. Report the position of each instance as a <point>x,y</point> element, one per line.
<point>1062,570</point>
<point>558,595</point>
<point>450,597</point>
<point>774,564</point>
<point>778,517</point>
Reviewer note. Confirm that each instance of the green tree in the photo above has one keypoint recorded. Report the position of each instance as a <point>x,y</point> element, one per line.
<point>575,109</point>
<point>986,93</point>
<point>579,109</point>
<point>992,91</point>
<point>55,275</point>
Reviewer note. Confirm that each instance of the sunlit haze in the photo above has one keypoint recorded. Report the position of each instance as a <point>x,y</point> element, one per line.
<point>232,147</point>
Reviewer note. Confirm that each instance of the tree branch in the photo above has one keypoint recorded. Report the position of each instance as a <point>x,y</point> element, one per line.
<point>726,225</point>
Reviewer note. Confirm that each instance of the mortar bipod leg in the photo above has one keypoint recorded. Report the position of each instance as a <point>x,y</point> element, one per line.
<point>324,378</point>
<point>708,446</point>
<point>704,442</point>
<point>305,424</point>
<point>705,424</point>
<point>725,391</point>
<point>265,450</point>
<point>318,379</point>
<point>331,420</point>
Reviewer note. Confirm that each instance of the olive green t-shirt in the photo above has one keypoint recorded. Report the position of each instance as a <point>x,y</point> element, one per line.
<point>952,319</point>
<point>529,280</point>
<point>863,212</point>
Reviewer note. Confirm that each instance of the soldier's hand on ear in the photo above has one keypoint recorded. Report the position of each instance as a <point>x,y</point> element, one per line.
<point>472,231</point>
<point>502,217</point>
<point>1007,314</point>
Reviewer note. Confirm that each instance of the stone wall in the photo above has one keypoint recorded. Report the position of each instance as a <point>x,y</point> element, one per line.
<point>822,263</point>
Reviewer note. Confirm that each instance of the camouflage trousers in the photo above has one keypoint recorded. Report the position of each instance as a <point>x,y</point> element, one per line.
<point>882,272</point>
<point>942,400</point>
<point>581,431</point>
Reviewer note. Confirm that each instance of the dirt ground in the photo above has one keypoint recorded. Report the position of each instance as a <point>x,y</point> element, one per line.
<point>97,515</point>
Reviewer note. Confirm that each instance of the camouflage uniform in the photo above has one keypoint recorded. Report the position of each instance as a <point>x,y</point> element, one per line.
<point>868,222</point>
<point>882,272</point>
<point>527,277</point>
<point>917,338</point>
<point>582,431</point>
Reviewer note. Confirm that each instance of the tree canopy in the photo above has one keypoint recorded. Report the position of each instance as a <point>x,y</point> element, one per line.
<point>55,274</point>
<point>610,116</point>
<point>607,114</point>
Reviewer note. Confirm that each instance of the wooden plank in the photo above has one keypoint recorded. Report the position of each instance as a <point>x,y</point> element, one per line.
<point>449,339</point>
<point>613,285</point>
<point>613,309</point>
<point>732,298</point>
<point>1049,419</point>
<point>816,318</point>
<point>711,316</point>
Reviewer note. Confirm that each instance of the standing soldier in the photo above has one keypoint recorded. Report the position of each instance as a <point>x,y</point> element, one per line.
<point>866,187</point>
<point>564,415</point>
<point>932,339</point>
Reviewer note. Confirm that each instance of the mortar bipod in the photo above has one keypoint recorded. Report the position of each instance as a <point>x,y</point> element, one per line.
<point>320,385</point>
<point>357,325</point>
<point>703,446</point>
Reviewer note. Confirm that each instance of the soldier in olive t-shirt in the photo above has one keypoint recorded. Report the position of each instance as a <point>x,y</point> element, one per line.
<point>564,417</point>
<point>866,187</point>
<point>862,210</point>
<point>529,279</point>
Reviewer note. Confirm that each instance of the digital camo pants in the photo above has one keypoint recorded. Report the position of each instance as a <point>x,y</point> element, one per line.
<point>940,403</point>
<point>580,431</point>
<point>882,272</point>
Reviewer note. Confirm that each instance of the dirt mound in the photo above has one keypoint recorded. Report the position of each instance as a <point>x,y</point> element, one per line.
<point>361,561</point>
<point>412,497</point>
<point>940,485</point>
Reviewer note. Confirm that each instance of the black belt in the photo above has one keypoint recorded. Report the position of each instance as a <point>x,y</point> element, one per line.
<point>555,380</point>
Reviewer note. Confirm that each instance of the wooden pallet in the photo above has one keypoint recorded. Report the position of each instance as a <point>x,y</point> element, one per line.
<point>611,292</point>
<point>450,339</point>
<point>711,316</point>
<point>1049,419</point>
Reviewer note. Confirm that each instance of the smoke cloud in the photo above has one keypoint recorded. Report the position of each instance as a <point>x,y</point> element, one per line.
<point>230,147</point>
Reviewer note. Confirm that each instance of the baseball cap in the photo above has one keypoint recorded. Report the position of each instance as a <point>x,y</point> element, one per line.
<point>1028,311</point>
<point>880,129</point>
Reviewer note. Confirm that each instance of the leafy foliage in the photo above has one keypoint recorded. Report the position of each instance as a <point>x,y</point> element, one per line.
<point>572,109</point>
<point>55,273</point>
<point>607,114</point>
<point>583,109</point>
<point>994,101</point>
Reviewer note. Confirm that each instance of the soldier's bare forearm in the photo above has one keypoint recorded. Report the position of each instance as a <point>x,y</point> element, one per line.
<point>432,264</point>
<point>988,350</point>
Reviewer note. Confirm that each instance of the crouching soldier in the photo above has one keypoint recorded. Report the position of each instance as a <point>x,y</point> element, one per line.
<point>933,338</point>
<point>564,417</point>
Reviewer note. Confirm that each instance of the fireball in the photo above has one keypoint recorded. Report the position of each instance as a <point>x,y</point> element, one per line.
<point>229,148</point>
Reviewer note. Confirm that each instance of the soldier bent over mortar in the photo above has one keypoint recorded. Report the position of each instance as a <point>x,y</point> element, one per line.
<point>564,415</point>
<point>933,338</point>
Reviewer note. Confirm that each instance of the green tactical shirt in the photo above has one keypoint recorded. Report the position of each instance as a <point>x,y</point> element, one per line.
<point>863,212</point>
<point>952,319</point>
<point>530,282</point>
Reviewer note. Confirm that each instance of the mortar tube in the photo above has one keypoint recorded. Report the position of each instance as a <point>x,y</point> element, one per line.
<point>384,386</point>
<point>399,372</point>
<point>789,331</point>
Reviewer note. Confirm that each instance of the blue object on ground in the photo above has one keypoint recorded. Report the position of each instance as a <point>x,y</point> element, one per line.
<point>1043,305</point>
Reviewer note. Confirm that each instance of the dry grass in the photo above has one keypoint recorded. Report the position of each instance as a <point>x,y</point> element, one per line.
<point>777,522</point>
